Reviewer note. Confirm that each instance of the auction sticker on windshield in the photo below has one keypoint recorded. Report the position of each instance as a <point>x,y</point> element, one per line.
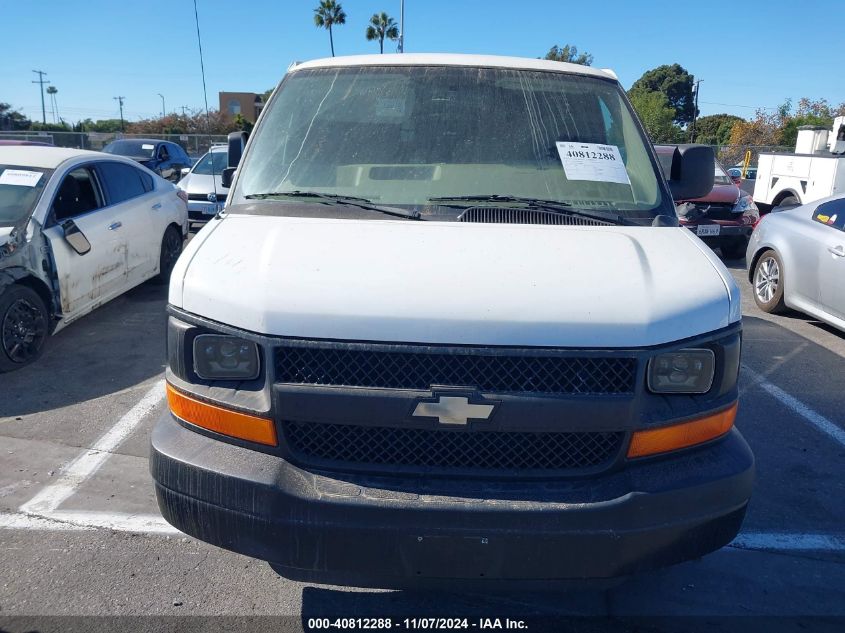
<point>592,161</point>
<point>20,177</point>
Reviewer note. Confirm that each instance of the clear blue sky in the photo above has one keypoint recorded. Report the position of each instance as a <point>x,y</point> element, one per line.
<point>746,53</point>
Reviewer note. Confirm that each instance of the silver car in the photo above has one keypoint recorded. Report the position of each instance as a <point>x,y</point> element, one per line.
<point>203,184</point>
<point>796,259</point>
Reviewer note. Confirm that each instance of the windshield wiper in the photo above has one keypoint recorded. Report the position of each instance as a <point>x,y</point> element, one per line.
<point>337,199</point>
<point>553,206</point>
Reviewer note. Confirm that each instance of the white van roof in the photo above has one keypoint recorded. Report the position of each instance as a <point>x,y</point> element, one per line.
<point>450,59</point>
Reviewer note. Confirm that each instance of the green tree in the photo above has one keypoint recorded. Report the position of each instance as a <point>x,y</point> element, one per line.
<point>326,15</point>
<point>568,54</point>
<point>50,127</point>
<point>674,82</point>
<point>715,129</point>
<point>242,124</point>
<point>382,26</point>
<point>657,116</point>
<point>815,113</point>
<point>11,119</point>
<point>101,125</point>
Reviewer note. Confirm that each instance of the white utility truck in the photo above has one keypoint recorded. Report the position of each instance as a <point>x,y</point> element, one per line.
<point>816,170</point>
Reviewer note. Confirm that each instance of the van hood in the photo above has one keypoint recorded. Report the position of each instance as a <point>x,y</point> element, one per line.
<point>455,283</point>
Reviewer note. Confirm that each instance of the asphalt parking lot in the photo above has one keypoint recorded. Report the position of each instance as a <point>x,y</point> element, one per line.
<point>80,534</point>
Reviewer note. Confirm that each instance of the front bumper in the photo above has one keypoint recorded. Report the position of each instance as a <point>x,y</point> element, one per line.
<point>380,531</point>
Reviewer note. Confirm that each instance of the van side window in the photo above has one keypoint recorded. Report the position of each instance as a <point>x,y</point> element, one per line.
<point>122,182</point>
<point>78,194</point>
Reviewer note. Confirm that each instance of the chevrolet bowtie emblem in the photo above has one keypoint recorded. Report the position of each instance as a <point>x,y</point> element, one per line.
<point>453,410</point>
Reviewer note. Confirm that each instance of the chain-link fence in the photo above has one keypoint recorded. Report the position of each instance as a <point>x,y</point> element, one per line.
<point>194,144</point>
<point>734,155</point>
<point>197,144</point>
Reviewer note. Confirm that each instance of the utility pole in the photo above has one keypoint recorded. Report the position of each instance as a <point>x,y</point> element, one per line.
<point>183,110</point>
<point>402,26</point>
<point>120,102</point>
<point>41,83</point>
<point>695,112</point>
<point>163,110</point>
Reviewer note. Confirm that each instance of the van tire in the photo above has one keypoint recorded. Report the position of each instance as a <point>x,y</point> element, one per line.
<point>24,326</point>
<point>171,248</point>
<point>767,283</point>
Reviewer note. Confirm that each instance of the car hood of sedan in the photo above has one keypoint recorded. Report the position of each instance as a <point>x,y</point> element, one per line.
<point>720,194</point>
<point>202,184</point>
<point>455,283</point>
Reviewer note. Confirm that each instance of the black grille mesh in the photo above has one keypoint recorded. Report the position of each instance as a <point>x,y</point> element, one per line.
<point>418,367</point>
<point>504,215</point>
<point>451,449</point>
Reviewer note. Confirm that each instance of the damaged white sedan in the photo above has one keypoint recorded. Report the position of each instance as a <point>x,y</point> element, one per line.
<point>77,229</point>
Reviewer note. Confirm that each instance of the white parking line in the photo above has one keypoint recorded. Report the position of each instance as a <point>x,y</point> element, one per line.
<point>816,419</point>
<point>51,497</point>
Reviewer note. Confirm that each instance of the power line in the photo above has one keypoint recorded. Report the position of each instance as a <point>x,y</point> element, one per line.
<point>41,83</point>
<point>120,101</point>
<point>739,105</point>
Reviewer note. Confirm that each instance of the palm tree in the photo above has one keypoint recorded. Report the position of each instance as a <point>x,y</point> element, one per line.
<point>52,90</point>
<point>328,14</point>
<point>381,26</point>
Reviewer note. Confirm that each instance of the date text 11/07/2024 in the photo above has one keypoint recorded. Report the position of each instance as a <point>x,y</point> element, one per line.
<point>435,624</point>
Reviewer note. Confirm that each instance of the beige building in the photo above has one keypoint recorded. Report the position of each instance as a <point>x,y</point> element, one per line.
<point>247,104</point>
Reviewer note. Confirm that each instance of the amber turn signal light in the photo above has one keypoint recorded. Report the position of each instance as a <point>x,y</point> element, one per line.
<point>684,435</point>
<point>220,420</point>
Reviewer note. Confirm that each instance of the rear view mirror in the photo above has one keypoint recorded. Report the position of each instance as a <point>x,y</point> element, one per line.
<point>75,238</point>
<point>692,172</point>
<point>227,176</point>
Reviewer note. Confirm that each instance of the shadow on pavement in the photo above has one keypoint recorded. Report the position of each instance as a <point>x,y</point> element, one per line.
<point>117,346</point>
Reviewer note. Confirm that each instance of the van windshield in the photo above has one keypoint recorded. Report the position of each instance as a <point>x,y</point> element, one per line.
<point>408,136</point>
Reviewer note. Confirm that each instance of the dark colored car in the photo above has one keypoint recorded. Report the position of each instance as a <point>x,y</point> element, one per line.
<point>163,157</point>
<point>724,218</point>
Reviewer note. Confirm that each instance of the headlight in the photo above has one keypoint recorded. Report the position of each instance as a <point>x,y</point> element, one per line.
<point>745,205</point>
<point>220,357</point>
<point>684,371</point>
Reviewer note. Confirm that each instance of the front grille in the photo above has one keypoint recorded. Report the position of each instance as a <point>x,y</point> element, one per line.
<point>717,211</point>
<point>527,452</point>
<point>221,197</point>
<point>499,215</point>
<point>419,367</point>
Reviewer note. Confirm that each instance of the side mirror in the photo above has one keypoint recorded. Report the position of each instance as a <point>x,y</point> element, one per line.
<point>237,142</point>
<point>227,176</point>
<point>692,173</point>
<point>75,238</point>
<point>185,171</point>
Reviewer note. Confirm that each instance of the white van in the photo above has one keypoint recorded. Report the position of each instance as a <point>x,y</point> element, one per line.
<point>448,328</point>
